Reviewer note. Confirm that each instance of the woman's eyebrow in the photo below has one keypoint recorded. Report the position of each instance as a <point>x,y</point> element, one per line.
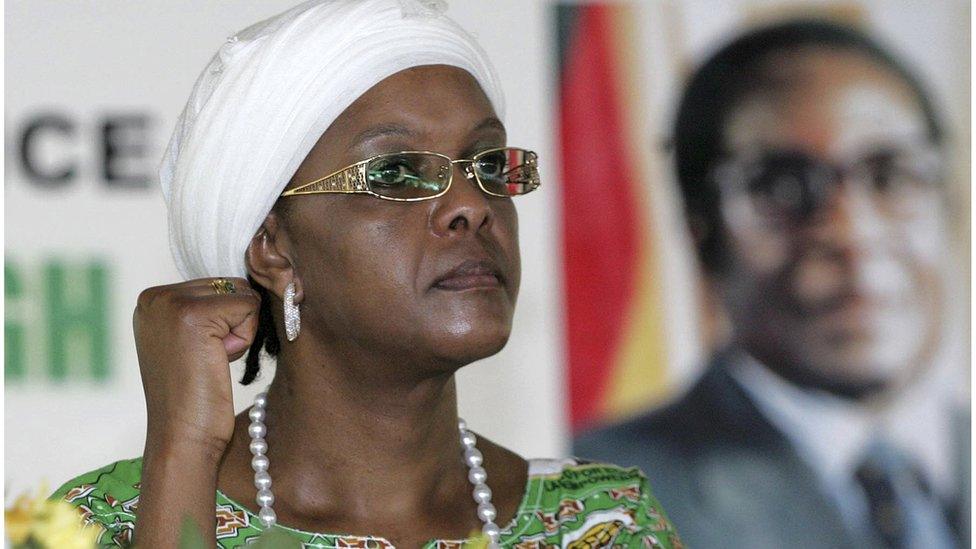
<point>490,123</point>
<point>381,130</point>
<point>398,130</point>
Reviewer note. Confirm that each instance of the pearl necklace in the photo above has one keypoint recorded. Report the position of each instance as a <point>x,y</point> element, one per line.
<point>262,479</point>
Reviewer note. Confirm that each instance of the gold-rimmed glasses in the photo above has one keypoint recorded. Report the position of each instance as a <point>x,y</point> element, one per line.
<point>409,176</point>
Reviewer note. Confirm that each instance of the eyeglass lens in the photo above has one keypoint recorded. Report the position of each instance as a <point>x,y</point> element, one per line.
<point>506,172</point>
<point>408,175</point>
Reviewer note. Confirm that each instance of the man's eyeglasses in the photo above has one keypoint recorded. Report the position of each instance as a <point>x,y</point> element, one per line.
<point>790,185</point>
<point>409,176</point>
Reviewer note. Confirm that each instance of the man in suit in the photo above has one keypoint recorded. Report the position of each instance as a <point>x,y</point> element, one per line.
<point>810,161</point>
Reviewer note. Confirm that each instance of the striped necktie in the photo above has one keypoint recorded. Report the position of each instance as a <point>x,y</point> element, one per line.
<point>904,512</point>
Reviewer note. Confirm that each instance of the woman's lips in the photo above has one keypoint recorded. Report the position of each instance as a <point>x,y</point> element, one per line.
<point>469,282</point>
<point>469,275</point>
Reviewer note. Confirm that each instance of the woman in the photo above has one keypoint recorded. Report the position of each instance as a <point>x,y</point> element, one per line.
<point>373,272</point>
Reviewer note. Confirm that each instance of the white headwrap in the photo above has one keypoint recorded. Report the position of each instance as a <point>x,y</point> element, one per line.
<point>265,99</point>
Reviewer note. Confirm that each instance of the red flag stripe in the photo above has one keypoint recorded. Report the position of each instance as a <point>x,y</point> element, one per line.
<point>600,211</point>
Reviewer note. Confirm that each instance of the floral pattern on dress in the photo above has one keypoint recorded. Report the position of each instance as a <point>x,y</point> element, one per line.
<point>577,506</point>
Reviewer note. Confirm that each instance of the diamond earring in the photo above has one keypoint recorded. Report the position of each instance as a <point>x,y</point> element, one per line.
<point>293,319</point>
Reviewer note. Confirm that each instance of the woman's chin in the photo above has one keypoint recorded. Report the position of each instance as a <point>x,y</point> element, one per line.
<point>464,347</point>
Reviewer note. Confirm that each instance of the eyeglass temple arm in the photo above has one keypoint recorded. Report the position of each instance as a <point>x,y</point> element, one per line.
<point>347,180</point>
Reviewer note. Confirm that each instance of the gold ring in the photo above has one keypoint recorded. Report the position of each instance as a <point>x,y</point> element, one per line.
<point>223,286</point>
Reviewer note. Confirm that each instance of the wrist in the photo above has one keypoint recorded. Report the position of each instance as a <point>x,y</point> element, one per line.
<point>164,445</point>
<point>179,482</point>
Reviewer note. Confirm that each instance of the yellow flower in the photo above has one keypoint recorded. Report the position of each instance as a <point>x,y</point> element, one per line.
<point>39,522</point>
<point>17,519</point>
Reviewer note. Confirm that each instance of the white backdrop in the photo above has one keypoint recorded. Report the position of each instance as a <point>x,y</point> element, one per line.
<point>88,62</point>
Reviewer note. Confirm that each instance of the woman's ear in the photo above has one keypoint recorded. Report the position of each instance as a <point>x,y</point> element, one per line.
<point>269,258</point>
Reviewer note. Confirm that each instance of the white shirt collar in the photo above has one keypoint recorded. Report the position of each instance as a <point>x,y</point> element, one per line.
<point>832,444</point>
<point>832,433</point>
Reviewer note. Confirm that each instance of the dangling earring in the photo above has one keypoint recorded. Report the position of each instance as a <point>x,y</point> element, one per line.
<point>293,319</point>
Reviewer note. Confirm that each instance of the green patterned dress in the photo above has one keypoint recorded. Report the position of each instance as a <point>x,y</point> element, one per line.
<point>566,504</point>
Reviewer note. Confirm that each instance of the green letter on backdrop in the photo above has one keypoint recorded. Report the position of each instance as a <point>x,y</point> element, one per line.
<point>13,325</point>
<point>77,318</point>
<point>66,313</point>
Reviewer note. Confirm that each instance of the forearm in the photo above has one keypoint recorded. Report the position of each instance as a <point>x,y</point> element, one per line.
<point>179,482</point>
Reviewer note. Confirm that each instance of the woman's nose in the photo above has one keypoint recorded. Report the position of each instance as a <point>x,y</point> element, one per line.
<point>464,208</point>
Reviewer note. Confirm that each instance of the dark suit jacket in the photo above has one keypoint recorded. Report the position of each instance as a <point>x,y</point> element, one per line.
<point>724,474</point>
